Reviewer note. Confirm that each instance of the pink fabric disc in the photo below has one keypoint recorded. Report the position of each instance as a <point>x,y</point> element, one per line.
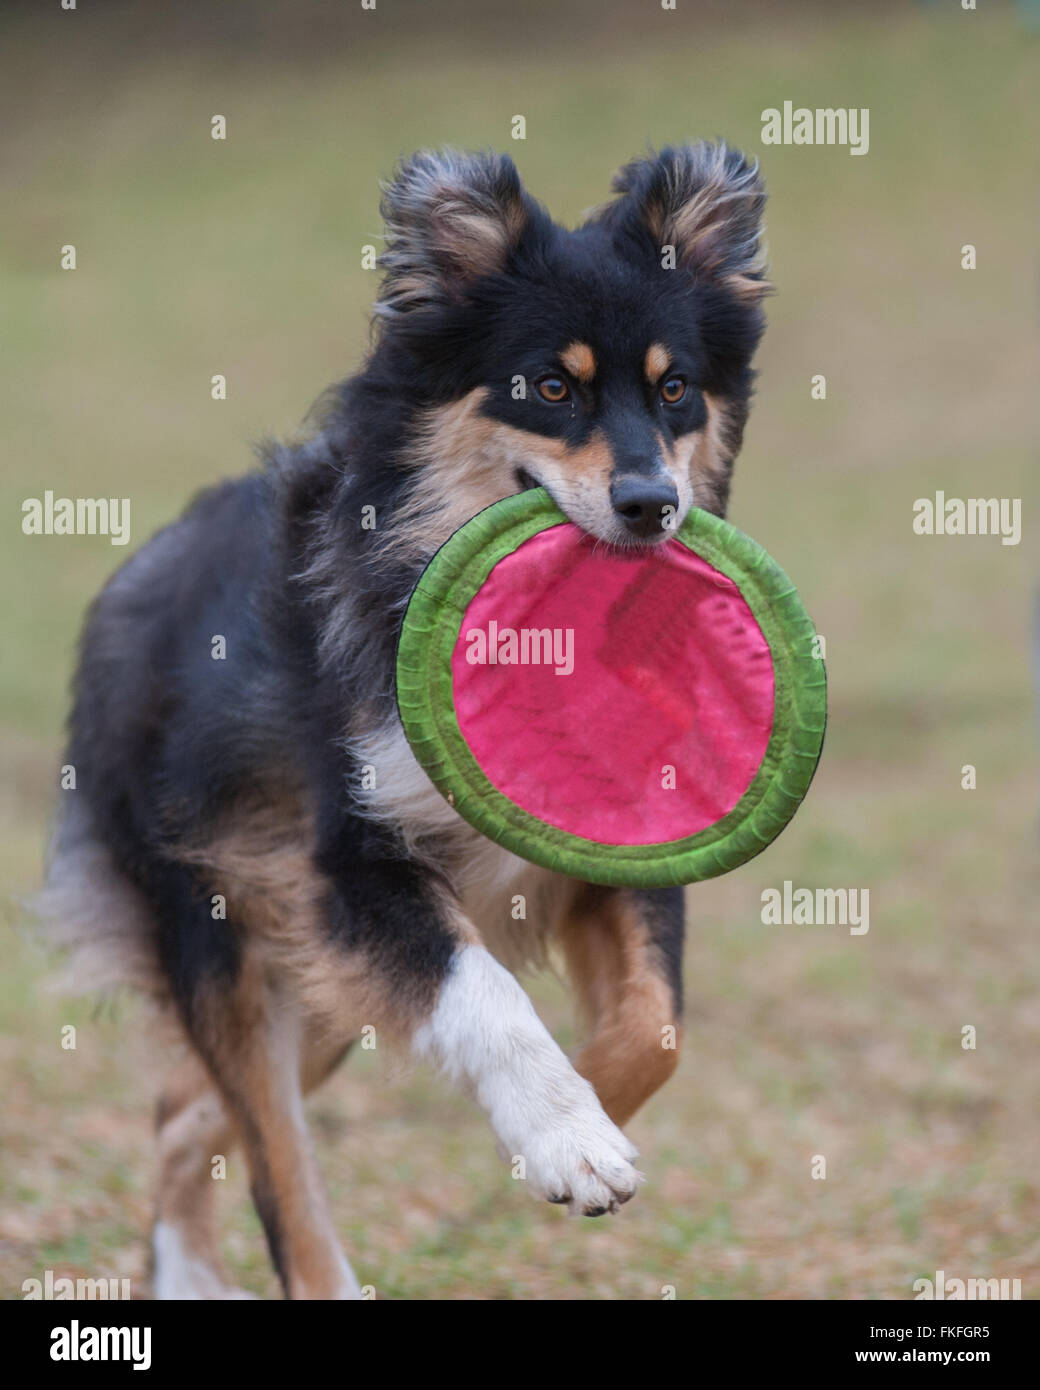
<point>583,675</point>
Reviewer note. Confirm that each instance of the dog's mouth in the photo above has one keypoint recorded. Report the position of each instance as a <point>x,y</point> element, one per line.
<point>614,538</point>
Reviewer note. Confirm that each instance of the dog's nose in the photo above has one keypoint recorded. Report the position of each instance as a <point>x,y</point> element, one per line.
<point>641,502</point>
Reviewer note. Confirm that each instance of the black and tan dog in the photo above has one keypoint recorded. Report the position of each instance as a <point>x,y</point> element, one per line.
<point>251,839</point>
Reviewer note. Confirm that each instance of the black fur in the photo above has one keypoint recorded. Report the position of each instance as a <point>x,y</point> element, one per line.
<point>481,287</point>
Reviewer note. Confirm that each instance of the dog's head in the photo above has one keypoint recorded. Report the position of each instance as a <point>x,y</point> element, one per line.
<point>610,364</point>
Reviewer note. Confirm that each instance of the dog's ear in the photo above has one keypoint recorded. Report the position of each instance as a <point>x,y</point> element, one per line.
<point>706,201</point>
<point>450,219</point>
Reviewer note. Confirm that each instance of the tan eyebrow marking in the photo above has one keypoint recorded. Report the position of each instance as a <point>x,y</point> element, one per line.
<point>657,361</point>
<point>580,361</point>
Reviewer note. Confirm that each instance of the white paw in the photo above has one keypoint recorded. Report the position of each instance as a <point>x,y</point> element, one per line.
<point>484,1029</point>
<point>582,1160</point>
<point>182,1277</point>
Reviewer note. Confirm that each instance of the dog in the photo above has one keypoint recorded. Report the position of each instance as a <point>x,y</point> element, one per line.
<point>222,849</point>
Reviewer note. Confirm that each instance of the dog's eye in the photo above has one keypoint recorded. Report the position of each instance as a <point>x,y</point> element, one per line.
<point>672,390</point>
<point>552,389</point>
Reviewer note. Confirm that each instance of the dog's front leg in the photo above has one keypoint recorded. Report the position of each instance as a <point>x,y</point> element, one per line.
<point>468,1014</point>
<point>484,1031</point>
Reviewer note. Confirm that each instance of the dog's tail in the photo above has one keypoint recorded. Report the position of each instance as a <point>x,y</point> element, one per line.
<point>91,911</point>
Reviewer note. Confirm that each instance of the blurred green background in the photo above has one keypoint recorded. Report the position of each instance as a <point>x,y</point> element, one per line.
<point>243,257</point>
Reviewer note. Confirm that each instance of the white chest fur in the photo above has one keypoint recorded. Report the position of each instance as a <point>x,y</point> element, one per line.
<point>514,905</point>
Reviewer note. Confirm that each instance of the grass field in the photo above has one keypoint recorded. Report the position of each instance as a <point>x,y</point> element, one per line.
<point>197,257</point>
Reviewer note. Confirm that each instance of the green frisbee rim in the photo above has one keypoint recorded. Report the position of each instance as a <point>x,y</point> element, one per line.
<point>425,699</point>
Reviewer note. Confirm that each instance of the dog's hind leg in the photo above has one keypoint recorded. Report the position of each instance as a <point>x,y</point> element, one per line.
<point>246,1025</point>
<point>192,1130</point>
<point>253,1045</point>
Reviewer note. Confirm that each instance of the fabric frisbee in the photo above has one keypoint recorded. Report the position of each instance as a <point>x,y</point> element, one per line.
<point>644,717</point>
